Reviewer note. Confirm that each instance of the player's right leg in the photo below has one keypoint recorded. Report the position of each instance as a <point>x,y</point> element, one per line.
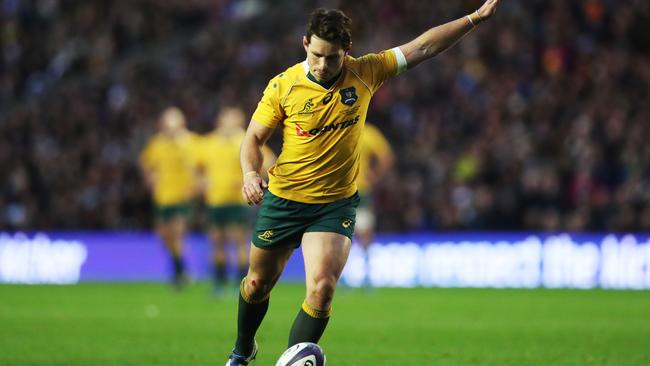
<point>325,247</point>
<point>265,268</point>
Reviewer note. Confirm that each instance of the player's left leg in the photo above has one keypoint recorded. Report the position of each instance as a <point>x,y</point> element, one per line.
<point>325,254</point>
<point>176,228</point>
<point>265,268</point>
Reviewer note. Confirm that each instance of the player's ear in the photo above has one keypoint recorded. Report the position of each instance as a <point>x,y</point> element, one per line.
<point>305,42</point>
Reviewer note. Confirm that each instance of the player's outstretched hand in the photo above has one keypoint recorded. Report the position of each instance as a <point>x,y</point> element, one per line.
<point>488,9</point>
<point>253,188</point>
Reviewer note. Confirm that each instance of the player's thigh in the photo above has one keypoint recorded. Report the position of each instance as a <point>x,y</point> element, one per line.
<point>266,265</point>
<point>325,255</point>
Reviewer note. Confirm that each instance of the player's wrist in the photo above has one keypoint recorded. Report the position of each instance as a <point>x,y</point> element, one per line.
<point>475,18</point>
<point>251,173</point>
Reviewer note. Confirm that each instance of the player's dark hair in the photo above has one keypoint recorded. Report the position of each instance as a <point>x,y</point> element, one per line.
<point>331,25</point>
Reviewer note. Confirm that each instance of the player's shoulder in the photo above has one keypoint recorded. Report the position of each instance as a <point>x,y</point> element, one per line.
<point>364,60</point>
<point>287,78</point>
<point>371,128</point>
<point>153,147</point>
<point>374,135</point>
<point>155,140</point>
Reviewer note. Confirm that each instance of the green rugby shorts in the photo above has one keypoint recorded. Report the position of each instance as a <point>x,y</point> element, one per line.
<point>282,222</point>
<point>166,213</point>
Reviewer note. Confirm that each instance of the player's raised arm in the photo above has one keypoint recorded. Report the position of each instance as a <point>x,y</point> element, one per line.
<point>252,158</point>
<point>438,39</point>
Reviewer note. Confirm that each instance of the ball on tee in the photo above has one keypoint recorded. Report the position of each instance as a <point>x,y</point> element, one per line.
<point>302,354</point>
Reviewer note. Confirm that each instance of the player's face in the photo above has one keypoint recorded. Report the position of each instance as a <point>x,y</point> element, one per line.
<point>325,59</point>
<point>231,119</point>
<point>172,122</point>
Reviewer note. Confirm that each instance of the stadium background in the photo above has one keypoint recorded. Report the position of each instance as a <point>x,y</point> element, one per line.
<point>537,121</point>
<point>534,126</point>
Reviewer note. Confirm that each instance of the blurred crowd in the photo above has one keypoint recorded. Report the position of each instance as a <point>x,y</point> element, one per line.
<point>537,120</point>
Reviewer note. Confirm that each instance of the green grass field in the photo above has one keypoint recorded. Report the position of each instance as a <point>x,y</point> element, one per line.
<point>150,325</point>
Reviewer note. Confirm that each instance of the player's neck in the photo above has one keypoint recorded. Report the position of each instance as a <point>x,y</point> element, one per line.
<point>325,84</point>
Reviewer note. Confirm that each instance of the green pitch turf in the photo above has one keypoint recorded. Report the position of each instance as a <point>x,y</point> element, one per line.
<point>151,325</point>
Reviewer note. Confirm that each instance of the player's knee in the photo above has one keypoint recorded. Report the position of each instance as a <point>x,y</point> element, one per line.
<point>256,287</point>
<point>321,292</point>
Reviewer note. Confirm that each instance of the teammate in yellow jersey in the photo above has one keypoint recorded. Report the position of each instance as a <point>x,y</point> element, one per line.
<point>168,165</point>
<point>376,158</point>
<point>228,213</point>
<point>321,104</point>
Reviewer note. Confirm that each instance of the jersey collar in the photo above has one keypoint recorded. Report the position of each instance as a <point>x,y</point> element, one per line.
<point>328,85</point>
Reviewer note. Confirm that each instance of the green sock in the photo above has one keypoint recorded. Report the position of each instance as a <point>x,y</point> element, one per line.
<point>308,327</point>
<point>249,318</point>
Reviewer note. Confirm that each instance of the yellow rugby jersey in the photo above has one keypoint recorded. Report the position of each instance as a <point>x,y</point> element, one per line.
<point>373,143</point>
<point>174,163</point>
<point>219,158</point>
<point>319,161</point>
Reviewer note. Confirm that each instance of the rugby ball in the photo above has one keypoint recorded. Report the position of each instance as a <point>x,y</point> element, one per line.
<point>302,354</point>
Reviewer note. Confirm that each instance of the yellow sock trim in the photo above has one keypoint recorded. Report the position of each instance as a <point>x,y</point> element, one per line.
<point>314,313</point>
<point>246,297</point>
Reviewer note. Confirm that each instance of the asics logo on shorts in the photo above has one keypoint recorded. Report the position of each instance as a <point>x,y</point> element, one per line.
<point>266,236</point>
<point>346,223</point>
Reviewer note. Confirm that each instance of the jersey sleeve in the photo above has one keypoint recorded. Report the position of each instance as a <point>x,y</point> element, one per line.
<point>376,68</point>
<point>269,110</point>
